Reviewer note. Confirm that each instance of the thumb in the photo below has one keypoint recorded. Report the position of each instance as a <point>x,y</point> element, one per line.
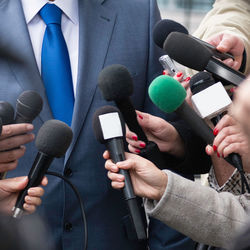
<point>13,185</point>
<point>226,44</point>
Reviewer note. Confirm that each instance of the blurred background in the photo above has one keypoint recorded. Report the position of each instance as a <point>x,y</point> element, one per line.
<point>187,12</point>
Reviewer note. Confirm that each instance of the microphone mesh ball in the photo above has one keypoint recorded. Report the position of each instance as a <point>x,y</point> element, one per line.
<point>54,138</point>
<point>166,93</point>
<point>115,82</point>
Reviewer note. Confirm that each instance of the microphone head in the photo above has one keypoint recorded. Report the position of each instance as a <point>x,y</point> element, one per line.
<point>6,113</point>
<point>115,82</point>
<point>187,51</point>
<point>108,123</point>
<point>163,28</point>
<point>28,106</point>
<point>54,138</point>
<point>201,81</point>
<point>166,93</point>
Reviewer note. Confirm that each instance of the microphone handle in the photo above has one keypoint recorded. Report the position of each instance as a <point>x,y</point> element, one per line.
<point>115,147</point>
<point>38,170</point>
<point>22,119</point>
<point>130,117</point>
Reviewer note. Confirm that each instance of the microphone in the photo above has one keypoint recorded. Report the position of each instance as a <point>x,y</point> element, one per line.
<point>164,27</point>
<point>190,53</point>
<point>116,84</point>
<point>169,96</point>
<point>209,99</point>
<point>28,106</point>
<point>109,129</point>
<point>53,140</point>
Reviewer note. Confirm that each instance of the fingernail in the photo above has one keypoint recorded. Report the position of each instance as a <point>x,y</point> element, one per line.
<point>164,73</point>
<point>138,151</point>
<point>216,131</point>
<point>223,155</point>
<point>27,198</point>
<point>134,137</point>
<point>140,117</point>
<point>187,79</point>
<point>218,154</point>
<point>179,74</point>
<point>232,90</point>
<point>142,145</point>
<point>29,126</point>
<point>31,192</point>
<point>214,148</point>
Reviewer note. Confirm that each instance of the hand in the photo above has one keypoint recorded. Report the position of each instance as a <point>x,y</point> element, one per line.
<point>148,181</point>
<point>240,109</point>
<point>230,139</point>
<point>231,44</point>
<point>11,144</point>
<point>158,130</point>
<point>9,189</point>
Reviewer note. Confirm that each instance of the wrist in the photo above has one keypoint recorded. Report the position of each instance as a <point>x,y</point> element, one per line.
<point>163,181</point>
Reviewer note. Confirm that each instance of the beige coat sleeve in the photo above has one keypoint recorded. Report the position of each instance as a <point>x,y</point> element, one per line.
<point>200,212</point>
<point>231,16</point>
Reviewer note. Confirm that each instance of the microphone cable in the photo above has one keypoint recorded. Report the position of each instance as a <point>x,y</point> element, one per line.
<point>80,202</point>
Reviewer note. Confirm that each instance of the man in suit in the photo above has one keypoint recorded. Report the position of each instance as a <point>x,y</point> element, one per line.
<point>97,33</point>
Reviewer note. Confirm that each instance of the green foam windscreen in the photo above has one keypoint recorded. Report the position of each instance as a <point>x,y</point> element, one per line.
<point>166,93</point>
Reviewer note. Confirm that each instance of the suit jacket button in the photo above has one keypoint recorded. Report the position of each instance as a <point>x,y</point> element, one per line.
<point>68,226</point>
<point>68,172</point>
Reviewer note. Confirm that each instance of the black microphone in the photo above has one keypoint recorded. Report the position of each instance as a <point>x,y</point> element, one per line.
<point>190,53</point>
<point>169,95</point>
<point>116,84</point>
<point>28,106</point>
<point>164,27</point>
<point>109,129</point>
<point>53,140</point>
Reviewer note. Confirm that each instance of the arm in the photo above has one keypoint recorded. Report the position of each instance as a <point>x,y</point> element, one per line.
<point>197,211</point>
<point>229,17</point>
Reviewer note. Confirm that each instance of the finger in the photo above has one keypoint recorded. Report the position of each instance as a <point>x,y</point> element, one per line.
<point>29,208</point>
<point>8,166</point>
<point>110,166</point>
<point>44,181</point>
<point>36,191</point>
<point>30,200</point>
<point>12,155</point>
<point>15,141</point>
<point>136,144</point>
<point>133,149</point>
<point>226,121</point>
<point>12,185</point>
<point>178,76</point>
<point>15,129</point>
<point>209,150</point>
<point>106,155</point>
<point>229,62</point>
<point>232,148</point>
<point>115,177</point>
<point>117,185</point>
<point>131,135</point>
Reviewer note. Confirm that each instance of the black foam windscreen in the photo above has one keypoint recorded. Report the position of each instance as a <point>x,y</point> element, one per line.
<point>187,51</point>
<point>163,28</point>
<point>6,113</point>
<point>115,82</point>
<point>29,104</point>
<point>54,138</point>
<point>97,125</point>
<point>201,81</point>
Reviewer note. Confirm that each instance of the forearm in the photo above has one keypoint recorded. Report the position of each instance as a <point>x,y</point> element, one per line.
<point>199,212</point>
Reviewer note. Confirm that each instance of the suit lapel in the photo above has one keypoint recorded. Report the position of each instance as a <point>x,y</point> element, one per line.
<point>95,27</point>
<point>14,34</point>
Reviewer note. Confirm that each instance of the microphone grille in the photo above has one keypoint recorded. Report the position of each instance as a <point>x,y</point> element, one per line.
<point>54,138</point>
<point>115,82</point>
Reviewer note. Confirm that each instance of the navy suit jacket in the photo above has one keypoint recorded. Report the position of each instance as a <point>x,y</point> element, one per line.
<point>111,32</point>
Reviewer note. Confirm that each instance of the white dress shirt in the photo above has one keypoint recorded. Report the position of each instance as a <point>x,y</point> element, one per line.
<point>70,29</point>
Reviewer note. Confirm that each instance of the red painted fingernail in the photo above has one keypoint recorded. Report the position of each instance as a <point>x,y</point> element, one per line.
<point>232,90</point>
<point>218,154</point>
<point>134,137</point>
<point>187,79</point>
<point>223,155</point>
<point>138,151</point>
<point>143,145</point>
<point>215,148</point>
<point>164,73</point>
<point>216,131</point>
<point>140,117</point>
<point>179,74</point>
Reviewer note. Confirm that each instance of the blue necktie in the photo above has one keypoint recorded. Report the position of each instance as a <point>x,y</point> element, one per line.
<point>56,70</point>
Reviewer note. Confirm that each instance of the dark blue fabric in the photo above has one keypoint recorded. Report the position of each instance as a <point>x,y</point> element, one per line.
<point>56,70</point>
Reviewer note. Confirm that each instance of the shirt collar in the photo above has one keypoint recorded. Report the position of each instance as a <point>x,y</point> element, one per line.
<point>32,7</point>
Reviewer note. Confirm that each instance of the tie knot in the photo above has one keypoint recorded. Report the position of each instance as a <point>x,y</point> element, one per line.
<point>50,13</point>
